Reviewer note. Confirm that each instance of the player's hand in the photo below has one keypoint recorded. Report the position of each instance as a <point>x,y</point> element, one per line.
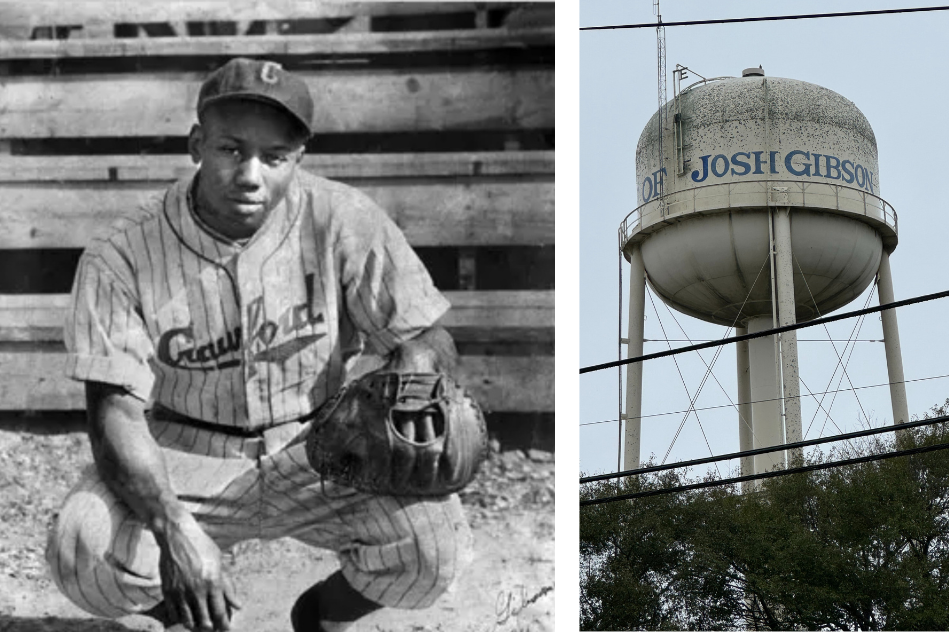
<point>430,352</point>
<point>198,594</point>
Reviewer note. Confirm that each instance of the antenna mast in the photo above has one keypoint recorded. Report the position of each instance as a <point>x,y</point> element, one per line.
<point>661,72</point>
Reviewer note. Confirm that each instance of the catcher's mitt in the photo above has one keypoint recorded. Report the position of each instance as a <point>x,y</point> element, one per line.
<point>399,434</point>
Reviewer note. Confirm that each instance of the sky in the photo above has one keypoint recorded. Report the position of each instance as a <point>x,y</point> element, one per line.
<point>890,67</point>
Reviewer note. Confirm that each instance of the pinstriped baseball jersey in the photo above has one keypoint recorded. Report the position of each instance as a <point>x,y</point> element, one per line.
<point>252,334</point>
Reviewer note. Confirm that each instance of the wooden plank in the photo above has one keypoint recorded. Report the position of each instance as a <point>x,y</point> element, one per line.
<point>438,212</point>
<point>32,317</point>
<point>510,384</point>
<point>73,106</point>
<point>121,168</point>
<point>530,15</point>
<point>501,317</point>
<point>17,19</point>
<point>280,45</point>
<point>33,380</point>
<point>40,317</point>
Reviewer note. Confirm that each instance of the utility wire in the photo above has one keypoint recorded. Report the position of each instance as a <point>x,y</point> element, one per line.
<point>771,474</point>
<point>768,332</point>
<point>691,398</point>
<point>773,399</point>
<point>799,340</point>
<point>710,366</point>
<point>774,448</point>
<point>820,406</point>
<point>854,333</point>
<point>770,18</point>
<point>709,371</point>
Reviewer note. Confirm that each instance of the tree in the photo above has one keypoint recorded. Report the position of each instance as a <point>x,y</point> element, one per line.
<point>862,547</point>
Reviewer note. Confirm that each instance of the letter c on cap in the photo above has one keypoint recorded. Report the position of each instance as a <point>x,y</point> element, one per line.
<point>268,73</point>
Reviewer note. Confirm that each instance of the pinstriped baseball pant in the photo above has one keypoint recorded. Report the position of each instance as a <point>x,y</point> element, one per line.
<point>397,551</point>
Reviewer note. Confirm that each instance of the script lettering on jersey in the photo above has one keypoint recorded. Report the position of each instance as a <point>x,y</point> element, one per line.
<point>263,333</point>
<point>797,163</point>
<point>178,347</point>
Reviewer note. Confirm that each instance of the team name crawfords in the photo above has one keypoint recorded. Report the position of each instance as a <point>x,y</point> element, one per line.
<point>744,163</point>
<point>178,348</point>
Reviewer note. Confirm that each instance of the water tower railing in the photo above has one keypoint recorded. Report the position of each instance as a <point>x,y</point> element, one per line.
<point>757,194</point>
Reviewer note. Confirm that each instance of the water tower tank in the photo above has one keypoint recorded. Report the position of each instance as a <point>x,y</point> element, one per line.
<point>731,149</point>
<point>758,205</point>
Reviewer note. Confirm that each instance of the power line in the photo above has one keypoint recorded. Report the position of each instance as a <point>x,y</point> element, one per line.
<point>773,399</point>
<point>799,340</point>
<point>854,333</point>
<point>692,399</point>
<point>771,474</point>
<point>768,332</point>
<point>774,448</point>
<point>772,18</point>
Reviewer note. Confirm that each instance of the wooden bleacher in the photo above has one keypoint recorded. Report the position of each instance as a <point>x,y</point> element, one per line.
<point>444,113</point>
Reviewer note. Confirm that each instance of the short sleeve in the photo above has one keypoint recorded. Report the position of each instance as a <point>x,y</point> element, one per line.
<point>389,294</point>
<point>105,334</point>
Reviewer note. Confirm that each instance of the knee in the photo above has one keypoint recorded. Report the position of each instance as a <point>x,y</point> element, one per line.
<point>95,555</point>
<point>443,553</point>
<point>413,555</point>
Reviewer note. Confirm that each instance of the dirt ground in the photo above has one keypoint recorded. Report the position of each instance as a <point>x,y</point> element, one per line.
<point>508,588</point>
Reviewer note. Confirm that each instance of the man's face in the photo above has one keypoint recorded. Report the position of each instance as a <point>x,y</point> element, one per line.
<point>248,153</point>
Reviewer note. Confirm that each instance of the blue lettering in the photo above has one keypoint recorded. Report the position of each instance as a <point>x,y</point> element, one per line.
<point>832,167</point>
<point>758,163</point>
<point>797,162</point>
<point>741,163</point>
<point>647,196</point>
<point>816,164</point>
<point>657,182</point>
<point>806,171</point>
<point>695,173</point>
<point>848,174</point>
<point>724,169</point>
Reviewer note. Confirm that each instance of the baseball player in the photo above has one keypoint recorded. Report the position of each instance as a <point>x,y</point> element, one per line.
<point>208,328</point>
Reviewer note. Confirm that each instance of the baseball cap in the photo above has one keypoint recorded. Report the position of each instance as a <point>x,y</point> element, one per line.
<point>259,80</point>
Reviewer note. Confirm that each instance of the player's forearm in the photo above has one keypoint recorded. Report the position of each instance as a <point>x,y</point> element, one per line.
<point>128,458</point>
<point>432,351</point>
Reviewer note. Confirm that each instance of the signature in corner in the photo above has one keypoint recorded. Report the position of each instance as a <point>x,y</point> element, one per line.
<point>511,603</point>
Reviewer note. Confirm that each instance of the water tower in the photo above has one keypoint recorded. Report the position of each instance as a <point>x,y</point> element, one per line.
<point>758,206</point>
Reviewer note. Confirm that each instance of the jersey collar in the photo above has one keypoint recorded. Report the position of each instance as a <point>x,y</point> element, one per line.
<point>209,244</point>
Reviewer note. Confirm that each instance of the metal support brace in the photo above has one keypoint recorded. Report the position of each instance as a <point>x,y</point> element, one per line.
<point>891,344</point>
<point>745,436</point>
<point>634,348</point>
<point>784,280</point>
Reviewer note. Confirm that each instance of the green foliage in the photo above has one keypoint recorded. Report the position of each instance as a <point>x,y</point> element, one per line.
<point>862,547</point>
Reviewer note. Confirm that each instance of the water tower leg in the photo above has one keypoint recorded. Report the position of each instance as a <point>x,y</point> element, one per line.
<point>634,347</point>
<point>784,280</point>
<point>765,394</point>
<point>891,344</point>
<point>745,436</point>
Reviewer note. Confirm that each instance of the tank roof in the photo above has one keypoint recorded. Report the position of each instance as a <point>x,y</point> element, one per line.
<point>734,99</point>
